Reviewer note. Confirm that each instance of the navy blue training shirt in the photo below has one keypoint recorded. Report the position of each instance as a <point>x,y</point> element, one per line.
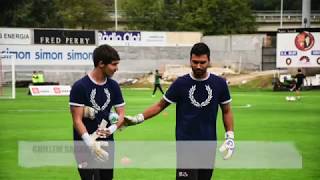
<point>197,103</point>
<point>102,97</point>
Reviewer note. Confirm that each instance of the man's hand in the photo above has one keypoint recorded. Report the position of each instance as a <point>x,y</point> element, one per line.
<point>133,120</point>
<point>89,112</point>
<point>111,129</point>
<point>104,132</point>
<point>101,131</point>
<point>95,147</point>
<point>228,146</point>
<point>100,154</point>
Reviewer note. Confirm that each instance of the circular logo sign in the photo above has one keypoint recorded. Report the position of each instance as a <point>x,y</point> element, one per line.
<point>304,41</point>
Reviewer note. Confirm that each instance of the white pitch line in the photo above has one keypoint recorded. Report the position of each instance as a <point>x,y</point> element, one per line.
<point>65,110</point>
<point>243,106</point>
<point>272,95</point>
<point>37,110</point>
<point>138,88</point>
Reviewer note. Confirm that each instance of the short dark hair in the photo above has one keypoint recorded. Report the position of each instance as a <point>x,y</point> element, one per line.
<point>299,70</point>
<point>200,49</point>
<point>104,53</point>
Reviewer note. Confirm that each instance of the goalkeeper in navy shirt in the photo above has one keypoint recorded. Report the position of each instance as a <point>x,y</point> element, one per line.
<point>197,97</point>
<point>91,100</point>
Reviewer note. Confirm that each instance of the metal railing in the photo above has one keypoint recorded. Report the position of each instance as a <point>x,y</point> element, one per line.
<point>261,16</point>
<point>288,16</point>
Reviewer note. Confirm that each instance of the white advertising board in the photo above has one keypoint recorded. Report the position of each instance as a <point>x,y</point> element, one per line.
<point>298,48</point>
<point>48,54</point>
<point>50,90</point>
<point>123,38</point>
<point>15,36</point>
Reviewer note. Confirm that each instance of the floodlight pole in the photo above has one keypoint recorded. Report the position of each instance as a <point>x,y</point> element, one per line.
<point>281,14</point>
<point>116,14</point>
<point>306,9</point>
<point>281,23</point>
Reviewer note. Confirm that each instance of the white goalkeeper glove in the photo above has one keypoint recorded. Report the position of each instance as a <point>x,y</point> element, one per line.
<point>89,112</point>
<point>133,120</point>
<point>228,146</point>
<point>104,132</point>
<point>101,131</point>
<point>95,147</point>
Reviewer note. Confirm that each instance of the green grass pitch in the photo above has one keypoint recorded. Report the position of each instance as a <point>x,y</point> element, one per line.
<point>270,118</point>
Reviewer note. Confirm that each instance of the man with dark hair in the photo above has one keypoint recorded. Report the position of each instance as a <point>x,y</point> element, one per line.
<point>197,97</point>
<point>98,92</point>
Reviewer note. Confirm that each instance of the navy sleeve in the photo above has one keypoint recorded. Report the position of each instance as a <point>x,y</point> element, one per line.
<point>77,95</point>
<point>225,94</point>
<point>172,94</point>
<point>118,98</point>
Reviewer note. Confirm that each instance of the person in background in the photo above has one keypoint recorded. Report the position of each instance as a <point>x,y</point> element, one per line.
<point>35,78</point>
<point>299,83</point>
<point>157,83</point>
<point>41,80</point>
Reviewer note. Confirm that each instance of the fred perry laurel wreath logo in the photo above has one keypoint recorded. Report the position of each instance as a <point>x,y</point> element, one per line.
<point>94,104</point>
<point>195,102</point>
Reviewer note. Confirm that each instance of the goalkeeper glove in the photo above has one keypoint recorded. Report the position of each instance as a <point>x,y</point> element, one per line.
<point>95,147</point>
<point>228,146</point>
<point>100,131</point>
<point>133,120</point>
<point>89,112</point>
<point>104,132</point>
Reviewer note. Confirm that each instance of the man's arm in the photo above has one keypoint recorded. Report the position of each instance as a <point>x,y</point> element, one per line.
<point>155,109</point>
<point>111,129</point>
<point>227,117</point>
<point>228,146</point>
<point>147,114</point>
<point>120,111</point>
<point>89,140</point>
<point>77,114</point>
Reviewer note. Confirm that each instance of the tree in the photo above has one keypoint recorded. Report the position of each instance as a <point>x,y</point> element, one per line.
<point>207,16</point>
<point>54,13</point>
<point>150,15</point>
<point>7,11</point>
<point>83,13</point>
<point>230,17</point>
<point>30,13</point>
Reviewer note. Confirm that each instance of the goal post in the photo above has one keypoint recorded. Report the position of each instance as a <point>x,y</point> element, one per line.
<point>7,76</point>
